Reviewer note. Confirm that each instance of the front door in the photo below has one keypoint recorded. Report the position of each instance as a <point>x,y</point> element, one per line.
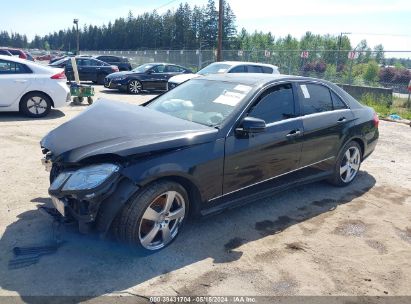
<point>273,153</point>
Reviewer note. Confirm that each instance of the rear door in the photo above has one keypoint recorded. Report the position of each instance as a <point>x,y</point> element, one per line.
<point>325,119</point>
<point>260,157</point>
<point>14,79</point>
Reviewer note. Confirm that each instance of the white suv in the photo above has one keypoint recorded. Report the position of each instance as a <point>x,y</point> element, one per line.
<point>224,67</point>
<point>31,88</point>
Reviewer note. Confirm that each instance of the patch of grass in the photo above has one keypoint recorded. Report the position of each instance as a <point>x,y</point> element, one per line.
<point>384,108</point>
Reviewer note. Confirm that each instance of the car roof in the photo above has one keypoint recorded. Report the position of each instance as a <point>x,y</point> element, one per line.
<point>236,63</point>
<point>258,80</point>
<point>251,78</point>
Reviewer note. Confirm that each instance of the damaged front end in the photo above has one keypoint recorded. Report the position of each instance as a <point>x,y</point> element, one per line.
<point>86,193</point>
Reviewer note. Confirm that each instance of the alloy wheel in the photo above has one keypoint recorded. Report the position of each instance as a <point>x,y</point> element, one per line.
<point>37,105</point>
<point>350,164</point>
<point>135,87</point>
<point>161,220</point>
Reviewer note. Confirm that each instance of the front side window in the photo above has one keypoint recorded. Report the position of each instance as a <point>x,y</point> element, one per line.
<point>314,98</point>
<point>275,104</point>
<point>206,102</point>
<point>10,67</point>
<point>239,69</point>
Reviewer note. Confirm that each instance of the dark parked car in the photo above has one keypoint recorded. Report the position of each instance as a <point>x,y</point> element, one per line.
<point>146,77</point>
<point>122,62</point>
<point>211,143</point>
<point>89,69</point>
<point>5,52</point>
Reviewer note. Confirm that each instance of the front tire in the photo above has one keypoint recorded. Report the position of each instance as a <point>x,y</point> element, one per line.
<point>153,218</point>
<point>347,165</point>
<point>134,87</point>
<point>35,105</point>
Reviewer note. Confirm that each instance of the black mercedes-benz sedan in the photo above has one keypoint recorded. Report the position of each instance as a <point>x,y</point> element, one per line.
<point>146,77</point>
<point>211,143</point>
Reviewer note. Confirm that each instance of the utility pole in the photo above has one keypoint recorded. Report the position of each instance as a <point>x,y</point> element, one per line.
<point>75,21</point>
<point>339,48</point>
<point>220,31</point>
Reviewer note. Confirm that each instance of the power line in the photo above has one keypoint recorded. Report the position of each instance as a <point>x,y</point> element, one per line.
<point>164,5</point>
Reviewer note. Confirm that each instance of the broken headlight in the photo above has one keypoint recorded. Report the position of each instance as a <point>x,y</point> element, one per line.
<point>89,177</point>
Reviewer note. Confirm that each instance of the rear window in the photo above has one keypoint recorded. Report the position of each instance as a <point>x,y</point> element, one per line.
<point>267,70</point>
<point>254,69</point>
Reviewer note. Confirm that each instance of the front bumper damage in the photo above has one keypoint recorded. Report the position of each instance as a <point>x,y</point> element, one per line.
<point>93,209</point>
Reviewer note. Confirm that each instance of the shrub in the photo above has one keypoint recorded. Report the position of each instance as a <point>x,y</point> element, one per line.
<point>371,72</point>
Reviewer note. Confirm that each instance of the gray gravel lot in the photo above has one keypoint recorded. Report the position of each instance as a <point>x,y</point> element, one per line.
<point>313,240</point>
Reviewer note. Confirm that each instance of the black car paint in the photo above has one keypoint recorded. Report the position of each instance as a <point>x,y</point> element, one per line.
<point>122,63</point>
<point>150,81</point>
<point>220,167</point>
<point>94,72</point>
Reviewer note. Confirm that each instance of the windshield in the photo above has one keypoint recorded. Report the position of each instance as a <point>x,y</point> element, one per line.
<point>214,68</point>
<point>202,101</point>
<point>143,68</point>
<point>60,61</point>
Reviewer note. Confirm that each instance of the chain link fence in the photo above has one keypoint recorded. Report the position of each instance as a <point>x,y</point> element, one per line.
<point>364,68</point>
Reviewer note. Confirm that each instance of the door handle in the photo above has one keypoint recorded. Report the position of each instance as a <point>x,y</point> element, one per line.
<point>293,133</point>
<point>342,119</point>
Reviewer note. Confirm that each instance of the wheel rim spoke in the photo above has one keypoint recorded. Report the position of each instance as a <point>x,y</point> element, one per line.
<point>348,155</point>
<point>171,195</point>
<point>148,239</point>
<point>176,214</point>
<point>343,169</point>
<point>166,234</point>
<point>355,167</point>
<point>151,215</point>
<point>354,158</point>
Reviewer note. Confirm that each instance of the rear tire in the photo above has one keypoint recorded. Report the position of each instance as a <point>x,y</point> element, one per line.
<point>35,105</point>
<point>347,165</point>
<point>152,219</point>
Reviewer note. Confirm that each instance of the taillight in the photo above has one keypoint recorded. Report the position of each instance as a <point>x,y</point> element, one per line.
<point>376,120</point>
<point>60,75</point>
<point>114,68</point>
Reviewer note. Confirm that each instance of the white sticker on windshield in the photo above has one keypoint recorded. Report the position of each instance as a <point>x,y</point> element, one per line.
<point>305,91</point>
<point>242,88</point>
<point>229,98</point>
<point>221,70</point>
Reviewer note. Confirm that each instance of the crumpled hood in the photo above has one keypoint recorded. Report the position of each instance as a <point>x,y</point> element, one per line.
<point>110,127</point>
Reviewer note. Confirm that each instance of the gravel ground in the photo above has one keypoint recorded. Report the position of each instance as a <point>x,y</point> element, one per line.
<point>314,240</point>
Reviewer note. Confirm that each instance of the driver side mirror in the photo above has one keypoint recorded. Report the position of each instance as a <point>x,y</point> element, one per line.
<point>251,125</point>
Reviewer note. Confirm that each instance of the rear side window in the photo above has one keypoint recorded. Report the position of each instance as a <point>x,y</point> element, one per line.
<point>275,104</point>
<point>174,69</point>
<point>314,98</point>
<point>239,69</point>
<point>338,104</point>
<point>267,70</point>
<point>254,69</point>
<point>9,67</point>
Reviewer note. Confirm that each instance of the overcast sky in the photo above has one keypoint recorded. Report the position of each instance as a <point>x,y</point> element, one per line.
<point>379,21</point>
